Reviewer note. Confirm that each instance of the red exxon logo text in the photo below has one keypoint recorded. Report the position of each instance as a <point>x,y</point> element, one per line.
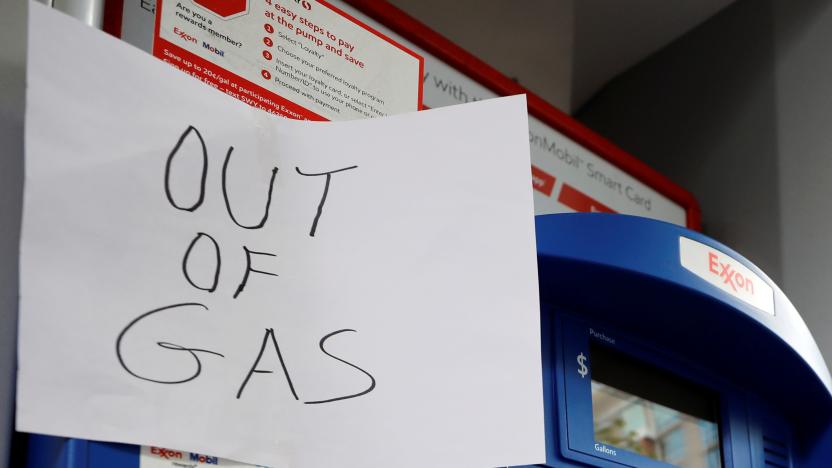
<point>166,453</point>
<point>729,275</point>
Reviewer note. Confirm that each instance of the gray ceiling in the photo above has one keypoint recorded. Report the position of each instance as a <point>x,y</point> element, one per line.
<point>563,50</point>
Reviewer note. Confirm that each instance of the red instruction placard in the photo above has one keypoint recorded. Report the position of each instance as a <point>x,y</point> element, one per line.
<point>302,59</point>
<point>542,181</point>
<point>580,202</point>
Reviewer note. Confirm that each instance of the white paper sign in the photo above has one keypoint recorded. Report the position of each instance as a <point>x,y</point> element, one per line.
<point>200,275</point>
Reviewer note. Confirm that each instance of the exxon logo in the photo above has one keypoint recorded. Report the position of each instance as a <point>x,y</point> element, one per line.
<point>167,454</point>
<point>729,275</point>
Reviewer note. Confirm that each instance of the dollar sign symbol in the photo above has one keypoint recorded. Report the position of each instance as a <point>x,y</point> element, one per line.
<point>582,369</point>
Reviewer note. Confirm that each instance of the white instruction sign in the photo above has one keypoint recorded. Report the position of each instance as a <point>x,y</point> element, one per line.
<point>201,275</point>
<point>566,176</point>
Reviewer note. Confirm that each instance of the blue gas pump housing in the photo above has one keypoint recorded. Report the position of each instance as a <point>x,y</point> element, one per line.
<point>646,362</point>
<point>683,364</point>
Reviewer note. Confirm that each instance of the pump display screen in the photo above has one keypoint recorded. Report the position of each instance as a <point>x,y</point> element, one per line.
<point>642,409</point>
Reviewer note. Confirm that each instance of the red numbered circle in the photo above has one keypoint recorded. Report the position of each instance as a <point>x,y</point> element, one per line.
<point>268,28</point>
<point>267,55</point>
<point>266,74</point>
<point>268,41</point>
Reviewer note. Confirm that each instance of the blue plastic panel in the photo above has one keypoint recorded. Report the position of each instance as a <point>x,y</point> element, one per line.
<point>625,271</point>
<point>576,337</point>
<point>60,452</point>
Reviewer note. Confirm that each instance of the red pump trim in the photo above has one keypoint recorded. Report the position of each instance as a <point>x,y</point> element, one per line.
<point>113,14</point>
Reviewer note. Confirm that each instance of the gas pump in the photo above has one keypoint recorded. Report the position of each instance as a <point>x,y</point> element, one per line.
<point>666,348</point>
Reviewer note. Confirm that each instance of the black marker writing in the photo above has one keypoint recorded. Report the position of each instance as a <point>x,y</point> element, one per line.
<point>323,197</point>
<point>250,269</point>
<point>209,281</point>
<point>217,266</point>
<point>372,379</point>
<point>228,204</point>
<point>189,131</point>
<point>165,345</point>
<point>269,336</point>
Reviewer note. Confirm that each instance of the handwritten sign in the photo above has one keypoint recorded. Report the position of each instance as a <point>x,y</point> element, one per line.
<point>200,275</point>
